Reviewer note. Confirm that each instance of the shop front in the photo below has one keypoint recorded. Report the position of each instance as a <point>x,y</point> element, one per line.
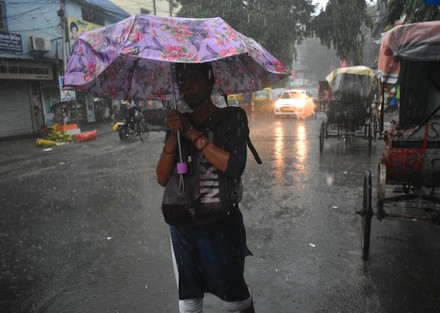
<point>21,108</point>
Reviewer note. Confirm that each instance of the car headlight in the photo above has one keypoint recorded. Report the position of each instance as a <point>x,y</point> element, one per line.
<point>300,103</point>
<point>277,104</point>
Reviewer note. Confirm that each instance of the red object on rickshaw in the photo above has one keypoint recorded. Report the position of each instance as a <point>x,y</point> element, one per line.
<point>410,57</point>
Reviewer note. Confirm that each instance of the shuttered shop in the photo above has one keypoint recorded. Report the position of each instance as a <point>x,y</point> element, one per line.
<point>15,108</point>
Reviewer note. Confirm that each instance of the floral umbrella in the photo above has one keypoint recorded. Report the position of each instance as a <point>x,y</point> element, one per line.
<point>133,59</point>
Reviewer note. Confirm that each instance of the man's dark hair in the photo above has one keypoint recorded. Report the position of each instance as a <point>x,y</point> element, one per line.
<point>204,68</point>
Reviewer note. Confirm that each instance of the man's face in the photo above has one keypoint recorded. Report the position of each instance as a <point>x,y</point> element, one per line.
<point>193,86</point>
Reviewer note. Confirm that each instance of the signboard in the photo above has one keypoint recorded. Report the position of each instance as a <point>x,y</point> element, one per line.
<point>25,70</point>
<point>10,42</point>
<point>77,27</point>
<point>298,81</point>
<point>66,95</point>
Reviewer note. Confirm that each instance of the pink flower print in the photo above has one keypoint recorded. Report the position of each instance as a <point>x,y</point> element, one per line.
<point>136,36</point>
<point>231,32</point>
<point>173,52</point>
<point>228,52</point>
<point>279,66</point>
<point>126,51</point>
<point>91,68</point>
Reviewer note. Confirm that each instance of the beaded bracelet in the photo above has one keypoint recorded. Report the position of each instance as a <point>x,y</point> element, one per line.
<point>204,145</point>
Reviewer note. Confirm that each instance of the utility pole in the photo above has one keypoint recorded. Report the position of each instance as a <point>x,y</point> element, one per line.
<point>61,14</point>
<point>154,7</point>
<point>171,7</point>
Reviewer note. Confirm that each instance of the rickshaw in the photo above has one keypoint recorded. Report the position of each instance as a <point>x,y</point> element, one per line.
<point>410,164</point>
<point>349,112</point>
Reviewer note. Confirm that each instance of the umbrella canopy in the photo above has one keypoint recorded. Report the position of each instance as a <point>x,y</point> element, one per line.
<point>412,42</point>
<point>356,70</point>
<point>349,83</point>
<point>133,59</point>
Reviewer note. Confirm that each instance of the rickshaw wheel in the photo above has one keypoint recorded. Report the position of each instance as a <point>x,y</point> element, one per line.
<point>321,137</point>
<point>144,129</point>
<point>375,127</point>
<point>367,214</point>
<point>370,138</point>
<point>122,131</point>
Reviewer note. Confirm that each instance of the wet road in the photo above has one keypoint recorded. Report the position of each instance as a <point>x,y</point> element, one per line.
<point>81,229</point>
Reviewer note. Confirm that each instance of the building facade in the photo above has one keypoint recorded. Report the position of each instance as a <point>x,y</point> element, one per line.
<point>31,58</point>
<point>153,7</point>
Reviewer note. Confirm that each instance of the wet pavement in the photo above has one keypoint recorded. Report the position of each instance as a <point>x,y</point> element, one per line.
<point>81,229</point>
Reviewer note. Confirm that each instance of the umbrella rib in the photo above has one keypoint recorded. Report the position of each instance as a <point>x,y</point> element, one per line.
<point>249,74</point>
<point>131,76</point>
<point>175,107</point>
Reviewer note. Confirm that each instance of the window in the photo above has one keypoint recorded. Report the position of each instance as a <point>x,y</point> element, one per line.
<point>2,17</point>
<point>145,11</point>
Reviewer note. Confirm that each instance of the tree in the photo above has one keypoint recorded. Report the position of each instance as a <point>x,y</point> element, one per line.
<point>276,24</point>
<point>413,11</point>
<point>340,25</point>
<point>318,59</point>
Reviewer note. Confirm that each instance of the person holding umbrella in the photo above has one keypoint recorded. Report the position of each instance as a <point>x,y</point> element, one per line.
<point>138,58</point>
<point>207,258</point>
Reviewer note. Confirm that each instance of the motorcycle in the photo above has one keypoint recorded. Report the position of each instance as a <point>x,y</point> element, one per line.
<point>131,125</point>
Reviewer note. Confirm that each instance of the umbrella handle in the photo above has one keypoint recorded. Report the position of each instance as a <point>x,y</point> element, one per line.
<point>182,167</point>
<point>175,107</point>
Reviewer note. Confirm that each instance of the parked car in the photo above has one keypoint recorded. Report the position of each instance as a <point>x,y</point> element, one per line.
<point>296,102</point>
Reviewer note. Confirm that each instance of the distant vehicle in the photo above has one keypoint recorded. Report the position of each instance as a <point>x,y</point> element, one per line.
<point>235,100</point>
<point>261,100</point>
<point>296,102</point>
<point>313,90</point>
<point>276,92</point>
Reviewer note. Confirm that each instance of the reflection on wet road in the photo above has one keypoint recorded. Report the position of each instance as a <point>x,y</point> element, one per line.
<point>82,229</point>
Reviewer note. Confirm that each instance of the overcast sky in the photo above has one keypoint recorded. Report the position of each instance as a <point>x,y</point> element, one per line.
<point>321,3</point>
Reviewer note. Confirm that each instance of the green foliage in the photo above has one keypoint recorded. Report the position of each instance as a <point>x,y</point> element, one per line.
<point>415,11</point>
<point>340,26</point>
<point>278,25</point>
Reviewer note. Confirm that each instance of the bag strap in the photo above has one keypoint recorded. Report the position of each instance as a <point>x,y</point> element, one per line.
<point>217,117</point>
<point>253,150</point>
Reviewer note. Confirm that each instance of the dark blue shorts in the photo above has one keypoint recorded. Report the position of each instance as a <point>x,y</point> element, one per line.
<point>211,259</point>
